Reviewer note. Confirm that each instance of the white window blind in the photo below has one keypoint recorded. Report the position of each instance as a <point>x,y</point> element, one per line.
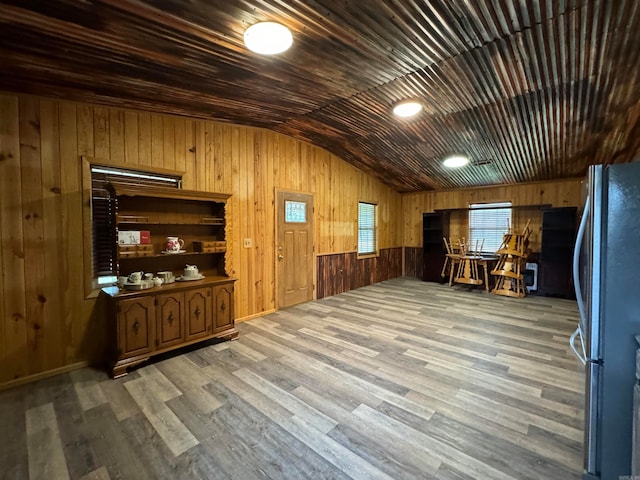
<point>367,241</point>
<point>488,222</point>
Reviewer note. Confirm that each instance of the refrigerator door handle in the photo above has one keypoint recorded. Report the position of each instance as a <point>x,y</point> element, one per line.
<point>576,283</point>
<point>572,344</point>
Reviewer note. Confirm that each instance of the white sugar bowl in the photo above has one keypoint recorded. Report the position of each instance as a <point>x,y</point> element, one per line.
<point>190,271</point>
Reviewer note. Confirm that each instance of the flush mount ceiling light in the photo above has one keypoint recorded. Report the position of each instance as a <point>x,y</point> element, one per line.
<point>407,109</point>
<point>456,161</point>
<point>267,38</point>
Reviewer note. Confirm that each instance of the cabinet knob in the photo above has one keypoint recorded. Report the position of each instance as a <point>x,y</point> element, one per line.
<point>136,326</point>
<point>197,311</point>
<point>170,318</point>
<point>222,306</point>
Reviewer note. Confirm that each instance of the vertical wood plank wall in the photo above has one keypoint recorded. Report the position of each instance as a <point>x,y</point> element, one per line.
<point>46,321</point>
<point>559,193</point>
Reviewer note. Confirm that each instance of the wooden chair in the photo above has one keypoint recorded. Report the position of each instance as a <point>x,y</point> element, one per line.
<point>450,259</point>
<point>454,244</point>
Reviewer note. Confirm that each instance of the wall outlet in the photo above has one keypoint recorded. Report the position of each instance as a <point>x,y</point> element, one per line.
<point>247,243</point>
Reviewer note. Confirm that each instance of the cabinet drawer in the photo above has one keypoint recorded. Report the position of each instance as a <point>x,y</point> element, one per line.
<point>135,250</point>
<point>209,247</point>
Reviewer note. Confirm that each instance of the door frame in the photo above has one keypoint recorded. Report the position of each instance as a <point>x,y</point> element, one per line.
<point>314,266</point>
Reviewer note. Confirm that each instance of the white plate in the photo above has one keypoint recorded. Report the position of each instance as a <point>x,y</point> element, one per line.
<point>142,285</point>
<point>173,252</point>
<point>182,278</point>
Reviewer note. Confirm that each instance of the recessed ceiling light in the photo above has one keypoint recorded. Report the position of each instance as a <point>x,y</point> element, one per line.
<point>407,109</point>
<point>267,38</point>
<point>455,161</point>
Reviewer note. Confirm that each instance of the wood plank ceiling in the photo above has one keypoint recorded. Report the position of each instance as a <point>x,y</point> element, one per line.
<point>530,90</point>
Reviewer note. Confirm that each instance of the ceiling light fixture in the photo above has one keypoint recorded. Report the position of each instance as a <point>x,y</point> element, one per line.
<point>456,161</point>
<point>407,109</point>
<point>268,38</point>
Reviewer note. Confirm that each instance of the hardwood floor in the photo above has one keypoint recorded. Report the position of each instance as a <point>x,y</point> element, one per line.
<point>402,379</point>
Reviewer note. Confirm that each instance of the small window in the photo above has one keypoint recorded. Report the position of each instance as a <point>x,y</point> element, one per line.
<point>295,212</point>
<point>103,211</point>
<point>488,222</point>
<point>367,237</point>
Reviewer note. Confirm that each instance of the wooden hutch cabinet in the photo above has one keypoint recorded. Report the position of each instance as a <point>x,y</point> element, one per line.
<point>149,321</point>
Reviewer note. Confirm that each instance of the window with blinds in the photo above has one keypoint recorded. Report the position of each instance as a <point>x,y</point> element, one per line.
<point>488,222</point>
<point>103,214</point>
<point>367,236</point>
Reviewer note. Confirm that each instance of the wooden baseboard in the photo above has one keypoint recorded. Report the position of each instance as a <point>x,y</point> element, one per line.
<point>255,315</point>
<point>39,376</point>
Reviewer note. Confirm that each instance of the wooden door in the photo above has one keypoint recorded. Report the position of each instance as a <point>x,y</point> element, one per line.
<point>135,326</point>
<point>222,308</point>
<point>169,319</point>
<point>198,313</point>
<point>294,248</point>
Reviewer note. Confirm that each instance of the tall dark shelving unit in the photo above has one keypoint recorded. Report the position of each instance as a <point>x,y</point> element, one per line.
<point>434,227</point>
<point>556,252</point>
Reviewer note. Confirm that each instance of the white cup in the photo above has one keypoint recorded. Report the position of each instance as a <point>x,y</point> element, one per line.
<point>148,276</point>
<point>135,277</point>
<point>165,276</point>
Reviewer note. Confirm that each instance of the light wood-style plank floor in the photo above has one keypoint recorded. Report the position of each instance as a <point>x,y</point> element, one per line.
<point>398,380</point>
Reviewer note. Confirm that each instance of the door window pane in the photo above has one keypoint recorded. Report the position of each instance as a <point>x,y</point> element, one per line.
<point>295,212</point>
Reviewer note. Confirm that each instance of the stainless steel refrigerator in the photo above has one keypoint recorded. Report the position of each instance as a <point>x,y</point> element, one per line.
<point>607,281</point>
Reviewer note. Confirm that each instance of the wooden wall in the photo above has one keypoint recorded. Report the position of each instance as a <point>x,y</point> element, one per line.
<point>558,193</point>
<point>47,322</point>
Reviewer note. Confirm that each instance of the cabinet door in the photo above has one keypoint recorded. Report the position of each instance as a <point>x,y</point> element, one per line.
<point>198,312</point>
<point>135,326</point>
<point>169,319</point>
<point>222,307</point>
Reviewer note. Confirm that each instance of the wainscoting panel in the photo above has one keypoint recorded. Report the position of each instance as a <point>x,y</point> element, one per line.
<point>341,272</point>
<point>413,262</point>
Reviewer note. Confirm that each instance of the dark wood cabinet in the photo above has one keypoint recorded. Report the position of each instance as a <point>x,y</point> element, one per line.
<point>435,226</point>
<point>149,322</point>
<point>556,252</point>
